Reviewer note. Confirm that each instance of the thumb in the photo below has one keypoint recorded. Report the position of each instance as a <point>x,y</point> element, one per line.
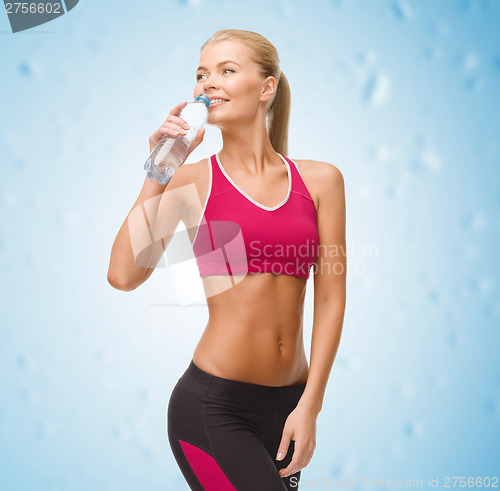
<point>284,444</point>
<point>197,140</point>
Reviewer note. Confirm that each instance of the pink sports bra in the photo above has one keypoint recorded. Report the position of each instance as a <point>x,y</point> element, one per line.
<point>238,235</point>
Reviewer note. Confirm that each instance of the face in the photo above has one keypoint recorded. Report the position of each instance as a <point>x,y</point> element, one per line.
<point>238,81</point>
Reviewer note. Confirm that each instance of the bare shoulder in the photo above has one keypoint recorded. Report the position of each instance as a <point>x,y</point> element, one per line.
<point>188,173</point>
<point>199,174</point>
<point>319,177</point>
<point>318,170</point>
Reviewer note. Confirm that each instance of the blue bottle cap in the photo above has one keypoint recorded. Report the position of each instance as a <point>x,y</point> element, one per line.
<point>203,98</point>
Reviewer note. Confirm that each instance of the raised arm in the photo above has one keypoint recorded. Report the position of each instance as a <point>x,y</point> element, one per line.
<point>150,224</point>
<point>146,231</point>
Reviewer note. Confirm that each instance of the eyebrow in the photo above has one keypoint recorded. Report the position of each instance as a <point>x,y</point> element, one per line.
<point>218,64</point>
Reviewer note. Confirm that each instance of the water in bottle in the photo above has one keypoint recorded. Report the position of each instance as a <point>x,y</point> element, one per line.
<point>171,151</point>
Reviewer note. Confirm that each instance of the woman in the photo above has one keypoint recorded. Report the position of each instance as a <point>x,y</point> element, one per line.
<point>243,414</point>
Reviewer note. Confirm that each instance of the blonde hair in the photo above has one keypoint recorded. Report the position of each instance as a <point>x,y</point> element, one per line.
<point>266,57</point>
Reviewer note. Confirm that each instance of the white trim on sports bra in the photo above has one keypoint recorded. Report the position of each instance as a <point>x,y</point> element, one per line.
<point>268,208</point>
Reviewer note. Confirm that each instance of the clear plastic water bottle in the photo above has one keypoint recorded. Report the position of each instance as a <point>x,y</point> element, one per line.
<point>170,152</point>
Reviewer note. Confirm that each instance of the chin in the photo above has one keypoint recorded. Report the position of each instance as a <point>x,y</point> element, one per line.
<point>218,121</point>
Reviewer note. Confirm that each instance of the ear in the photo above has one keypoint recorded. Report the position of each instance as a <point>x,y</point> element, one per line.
<point>269,88</point>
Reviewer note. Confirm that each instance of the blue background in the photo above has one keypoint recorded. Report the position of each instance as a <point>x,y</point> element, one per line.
<point>402,96</point>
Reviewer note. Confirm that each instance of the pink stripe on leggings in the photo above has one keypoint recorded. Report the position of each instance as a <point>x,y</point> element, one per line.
<point>208,472</point>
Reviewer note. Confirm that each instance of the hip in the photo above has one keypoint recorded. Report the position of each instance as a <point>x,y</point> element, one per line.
<point>206,386</point>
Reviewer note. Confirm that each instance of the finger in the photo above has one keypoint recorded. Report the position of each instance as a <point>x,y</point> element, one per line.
<point>294,467</point>
<point>177,109</point>
<point>284,444</point>
<point>173,129</point>
<point>200,134</point>
<point>291,468</point>
<point>177,120</point>
<point>198,139</point>
<point>299,457</point>
<point>163,130</point>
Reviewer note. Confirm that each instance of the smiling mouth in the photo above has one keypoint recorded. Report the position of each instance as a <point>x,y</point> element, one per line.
<point>217,103</point>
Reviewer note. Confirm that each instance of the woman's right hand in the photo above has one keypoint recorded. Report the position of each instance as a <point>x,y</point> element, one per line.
<point>173,126</point>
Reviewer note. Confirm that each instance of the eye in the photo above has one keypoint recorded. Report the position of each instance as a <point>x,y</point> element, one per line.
<point>225,69</point>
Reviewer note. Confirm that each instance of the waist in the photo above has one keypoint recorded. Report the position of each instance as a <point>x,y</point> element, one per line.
<point>253,354</point>
<point>218,389</point>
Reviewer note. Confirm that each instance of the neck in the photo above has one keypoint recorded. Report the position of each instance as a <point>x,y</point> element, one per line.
<point>248,147</point>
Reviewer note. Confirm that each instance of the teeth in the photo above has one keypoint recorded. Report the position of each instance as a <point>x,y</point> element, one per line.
<point>213,101</point>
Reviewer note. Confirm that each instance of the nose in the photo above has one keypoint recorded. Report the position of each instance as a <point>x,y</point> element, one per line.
<point>209,84</point>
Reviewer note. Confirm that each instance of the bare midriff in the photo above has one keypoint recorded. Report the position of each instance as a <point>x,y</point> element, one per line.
<point>254,333</point>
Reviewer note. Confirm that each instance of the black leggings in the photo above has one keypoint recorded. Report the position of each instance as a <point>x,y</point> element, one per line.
<point>225,434</point>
